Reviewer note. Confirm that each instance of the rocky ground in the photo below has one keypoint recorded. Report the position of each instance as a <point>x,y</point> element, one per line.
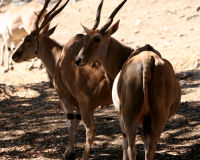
<point>32,124</point>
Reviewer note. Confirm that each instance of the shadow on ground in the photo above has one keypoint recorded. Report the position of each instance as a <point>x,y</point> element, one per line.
<point>33,125</point>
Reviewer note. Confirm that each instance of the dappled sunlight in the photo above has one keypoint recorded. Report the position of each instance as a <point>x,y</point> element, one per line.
<point>23,92</point>
<point>32,123</point>
<point>37,128</point>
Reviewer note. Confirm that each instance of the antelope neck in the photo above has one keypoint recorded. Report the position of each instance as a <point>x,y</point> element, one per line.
<point>49,53</point>
<point>115,58</point>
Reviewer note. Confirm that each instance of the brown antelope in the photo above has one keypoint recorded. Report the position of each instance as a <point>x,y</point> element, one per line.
<point>145,89</point>
<point>80,90</point>
<point>16,23</point>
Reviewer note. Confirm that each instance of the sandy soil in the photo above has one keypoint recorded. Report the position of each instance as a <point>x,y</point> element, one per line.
<point>32,124</point>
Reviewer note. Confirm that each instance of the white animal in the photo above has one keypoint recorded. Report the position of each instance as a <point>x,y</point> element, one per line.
<point>15,24</point>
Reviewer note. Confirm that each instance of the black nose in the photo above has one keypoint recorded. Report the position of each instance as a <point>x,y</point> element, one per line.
<point>77,61</point>
<point>16,56</point>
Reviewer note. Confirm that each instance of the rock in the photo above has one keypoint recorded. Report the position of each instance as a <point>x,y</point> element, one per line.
<point>171,12</point>
<point>138,21</point>
<point>196,64</point>
<point>166,43</point>
<point>136,32</point>
<point>187,7</point>
<point>181,35</point>
<point>166,29</point>
<point>182,16</point>
<point>191,28</point>
<point>187,46</point>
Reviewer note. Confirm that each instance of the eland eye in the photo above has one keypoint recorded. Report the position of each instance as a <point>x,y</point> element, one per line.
<point>97,39</point>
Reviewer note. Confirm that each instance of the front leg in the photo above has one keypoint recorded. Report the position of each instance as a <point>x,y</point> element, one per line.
<point>31,66</point>
<point>2,54</point>
<point>10,63</point>
<point>7,51</point>
<point>72,124</point>
<point>88,121</point>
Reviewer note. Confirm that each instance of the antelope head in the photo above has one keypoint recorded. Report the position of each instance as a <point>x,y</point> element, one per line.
<point>30,46</point>
<point>96,41</point>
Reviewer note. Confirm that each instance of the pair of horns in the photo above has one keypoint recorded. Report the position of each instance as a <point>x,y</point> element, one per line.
<point>110,19</point>
<point>50,15</point>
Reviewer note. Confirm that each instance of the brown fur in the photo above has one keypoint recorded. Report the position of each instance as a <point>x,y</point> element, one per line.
<point>79,89</point>
<point>158,97</point>
<point>147,88</point>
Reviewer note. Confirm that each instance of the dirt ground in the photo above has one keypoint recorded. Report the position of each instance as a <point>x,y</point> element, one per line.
<point>32,124</point>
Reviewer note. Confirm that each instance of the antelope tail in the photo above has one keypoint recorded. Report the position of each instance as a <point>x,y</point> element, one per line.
<point>147,68</point>
<point>148,65</point>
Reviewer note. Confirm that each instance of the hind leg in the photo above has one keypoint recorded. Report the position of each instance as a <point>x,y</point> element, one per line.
<point>130,127</point>
<point>151,138</point>
<point>124,141</point>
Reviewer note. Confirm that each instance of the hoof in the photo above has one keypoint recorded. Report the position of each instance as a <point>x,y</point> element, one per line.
<point>68,156</point>
<point>6,70</point>
<point>51,85</point>
<point>12,67</point>
<point>30,68</point>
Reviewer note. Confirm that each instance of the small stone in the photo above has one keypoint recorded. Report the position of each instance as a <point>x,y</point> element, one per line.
<point>196,64</point>
<point>182,16</point>
<point>166,29</point>
<point>149,17</point>
<point>136,32</point>
<point>191,28</point>
<point>162,37</point>
<point>166,43</point>
<point>187,7</point>
<point>181,35</point>
<point>138,21</point>
<point>187,46</point>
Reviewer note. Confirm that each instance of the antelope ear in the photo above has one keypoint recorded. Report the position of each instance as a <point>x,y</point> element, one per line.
<point>86,29</point>
<point>113,28</point>
<point>45,29</point>
<point>51,31</point>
